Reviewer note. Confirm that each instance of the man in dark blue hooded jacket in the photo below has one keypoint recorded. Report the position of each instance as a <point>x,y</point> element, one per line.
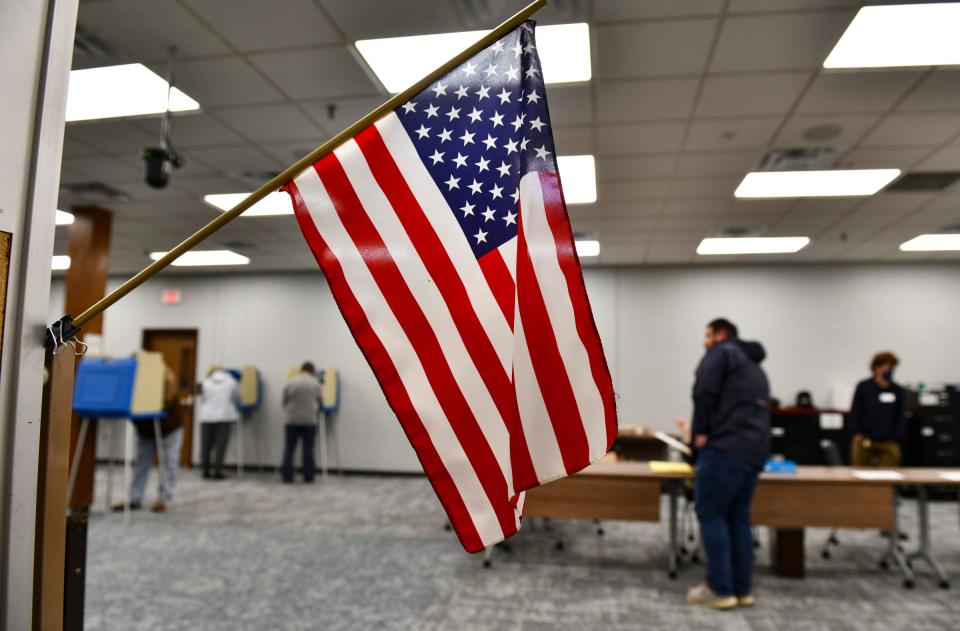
<point>731,432</point>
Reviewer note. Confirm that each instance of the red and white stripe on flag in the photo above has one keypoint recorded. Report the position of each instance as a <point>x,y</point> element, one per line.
<point>489,356</point>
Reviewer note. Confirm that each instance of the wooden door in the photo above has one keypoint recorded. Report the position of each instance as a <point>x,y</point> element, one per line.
<point>179,350</point>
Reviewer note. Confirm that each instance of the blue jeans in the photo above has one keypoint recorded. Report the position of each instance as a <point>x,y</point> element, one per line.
<point>293,434</point>
<point>723,492</point>
<point>171,462</point>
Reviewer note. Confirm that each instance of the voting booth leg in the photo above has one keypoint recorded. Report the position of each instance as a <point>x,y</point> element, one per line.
<point>127,458</point>
<point>924,551</point>
<point>332,426</point>
<point>322,431</point>
<point>240,425</point>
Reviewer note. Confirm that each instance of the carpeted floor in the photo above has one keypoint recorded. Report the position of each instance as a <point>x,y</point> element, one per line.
<point>359,552</point>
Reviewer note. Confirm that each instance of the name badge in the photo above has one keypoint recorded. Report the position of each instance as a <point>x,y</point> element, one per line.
<point>888,397</point>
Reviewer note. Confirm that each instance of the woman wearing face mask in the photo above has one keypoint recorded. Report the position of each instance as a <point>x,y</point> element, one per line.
<point>877,420</point>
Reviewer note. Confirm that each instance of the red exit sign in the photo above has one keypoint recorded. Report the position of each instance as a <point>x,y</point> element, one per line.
<point>171,296</point>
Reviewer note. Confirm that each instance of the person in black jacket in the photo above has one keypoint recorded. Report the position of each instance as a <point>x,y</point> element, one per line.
<point>877,418</point>
<point>731,433</point>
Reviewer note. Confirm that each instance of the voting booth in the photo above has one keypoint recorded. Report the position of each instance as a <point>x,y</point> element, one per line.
<point>251,395</point>
<point>118,389</point>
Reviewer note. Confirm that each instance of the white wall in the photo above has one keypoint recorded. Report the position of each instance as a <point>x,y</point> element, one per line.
<point>820,325</point>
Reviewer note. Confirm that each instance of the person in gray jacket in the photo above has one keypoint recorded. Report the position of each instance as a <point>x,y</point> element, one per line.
<point>301,401</point>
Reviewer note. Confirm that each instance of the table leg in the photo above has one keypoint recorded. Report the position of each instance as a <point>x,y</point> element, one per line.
<point>894,554</point>
<point>924,550</point>
<point>674,492</point>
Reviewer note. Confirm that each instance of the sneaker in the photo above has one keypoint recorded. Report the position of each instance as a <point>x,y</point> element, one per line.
<point>159,506</point>
<point>703,596</point>
<point>117,508</point>
<point>746,601</point>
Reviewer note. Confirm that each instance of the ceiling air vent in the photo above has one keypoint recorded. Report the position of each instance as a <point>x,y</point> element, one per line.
<point>799,159</point>
<point>924,182</point>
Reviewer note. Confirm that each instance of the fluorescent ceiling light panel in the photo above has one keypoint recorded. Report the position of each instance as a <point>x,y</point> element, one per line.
<point>399,62</point>
<point>119,91</point>
<point>899,35</point>
<point>272,204</point>
<point>932,243</point>
<point>588,247</point>
<point>579,174</point>
<point>61,262</point>
<point>752,245</point>
<point>205,257</point>
<point>63,218</point>
<point>844,183</point>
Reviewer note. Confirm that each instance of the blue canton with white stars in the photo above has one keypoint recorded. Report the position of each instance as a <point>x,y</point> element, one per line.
<point>481,128</point>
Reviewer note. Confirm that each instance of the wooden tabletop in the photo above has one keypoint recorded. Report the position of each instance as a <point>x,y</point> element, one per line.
<point>926,476</point>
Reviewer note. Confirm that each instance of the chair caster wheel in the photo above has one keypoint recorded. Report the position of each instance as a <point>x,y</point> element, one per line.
<point>559,546</point>
<point>600,532</point>
<point>884,565</point>
<point>944,584</point>
<point>683,551</point>
<point>672,575</point>
<point>825,554</point>
<point>908,584</point>
<point>487,563</point>
<point>910,564</point>
<point>695,558</point>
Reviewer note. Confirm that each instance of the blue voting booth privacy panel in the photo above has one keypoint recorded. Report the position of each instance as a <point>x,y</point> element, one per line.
<point>104,388</point>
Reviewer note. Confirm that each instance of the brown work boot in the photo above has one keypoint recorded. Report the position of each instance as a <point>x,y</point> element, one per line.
<point>159,506</point>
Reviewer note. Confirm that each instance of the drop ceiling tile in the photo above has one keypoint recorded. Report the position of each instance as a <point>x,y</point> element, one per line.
<point>675,207</point>
<point>750,95</point>
<point>731,134</point>
<point>256,25</point>
<point>884,157</point>
<point>224,82</point>
<point>74,147</point>
<point>848,129</point>
<point>619,190</point>
<point>344,112</point>
<point>237,159</point>
<point>939,92</point>
<point>775,42</point>
<point>571,105</point>
<point>196,130</point>
<point>653,49</point>
<point>144,31</point>
<point>102,168</point>
<point>575,140</point>
<point>658,99</point>
<point>897,203</point>
<point>333,72</point>
<point>290,151</point>
<point>614,10</point>
<point>362,19</point>
<point>914,129</point>
<point>947,159</point>
<point>636,139</point>
<point>270,122</point>
<point>712,187</point>
<point>830,206</point>
<point>635,167</point>
<point>715,164</point>
<point>115,136</point>
<point>751,6</point>
<point>846,91</point>
<point>210,184</point>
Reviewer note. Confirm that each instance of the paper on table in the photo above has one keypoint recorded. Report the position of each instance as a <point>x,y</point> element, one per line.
<point>878,474</point>
<point>663,466</point>
<point>953,476</point>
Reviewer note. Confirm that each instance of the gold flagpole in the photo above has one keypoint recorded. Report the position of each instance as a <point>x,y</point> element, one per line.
<point>297,168</point>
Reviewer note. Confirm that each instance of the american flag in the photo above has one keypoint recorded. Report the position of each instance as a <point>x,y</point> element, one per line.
<point>442,231</point>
